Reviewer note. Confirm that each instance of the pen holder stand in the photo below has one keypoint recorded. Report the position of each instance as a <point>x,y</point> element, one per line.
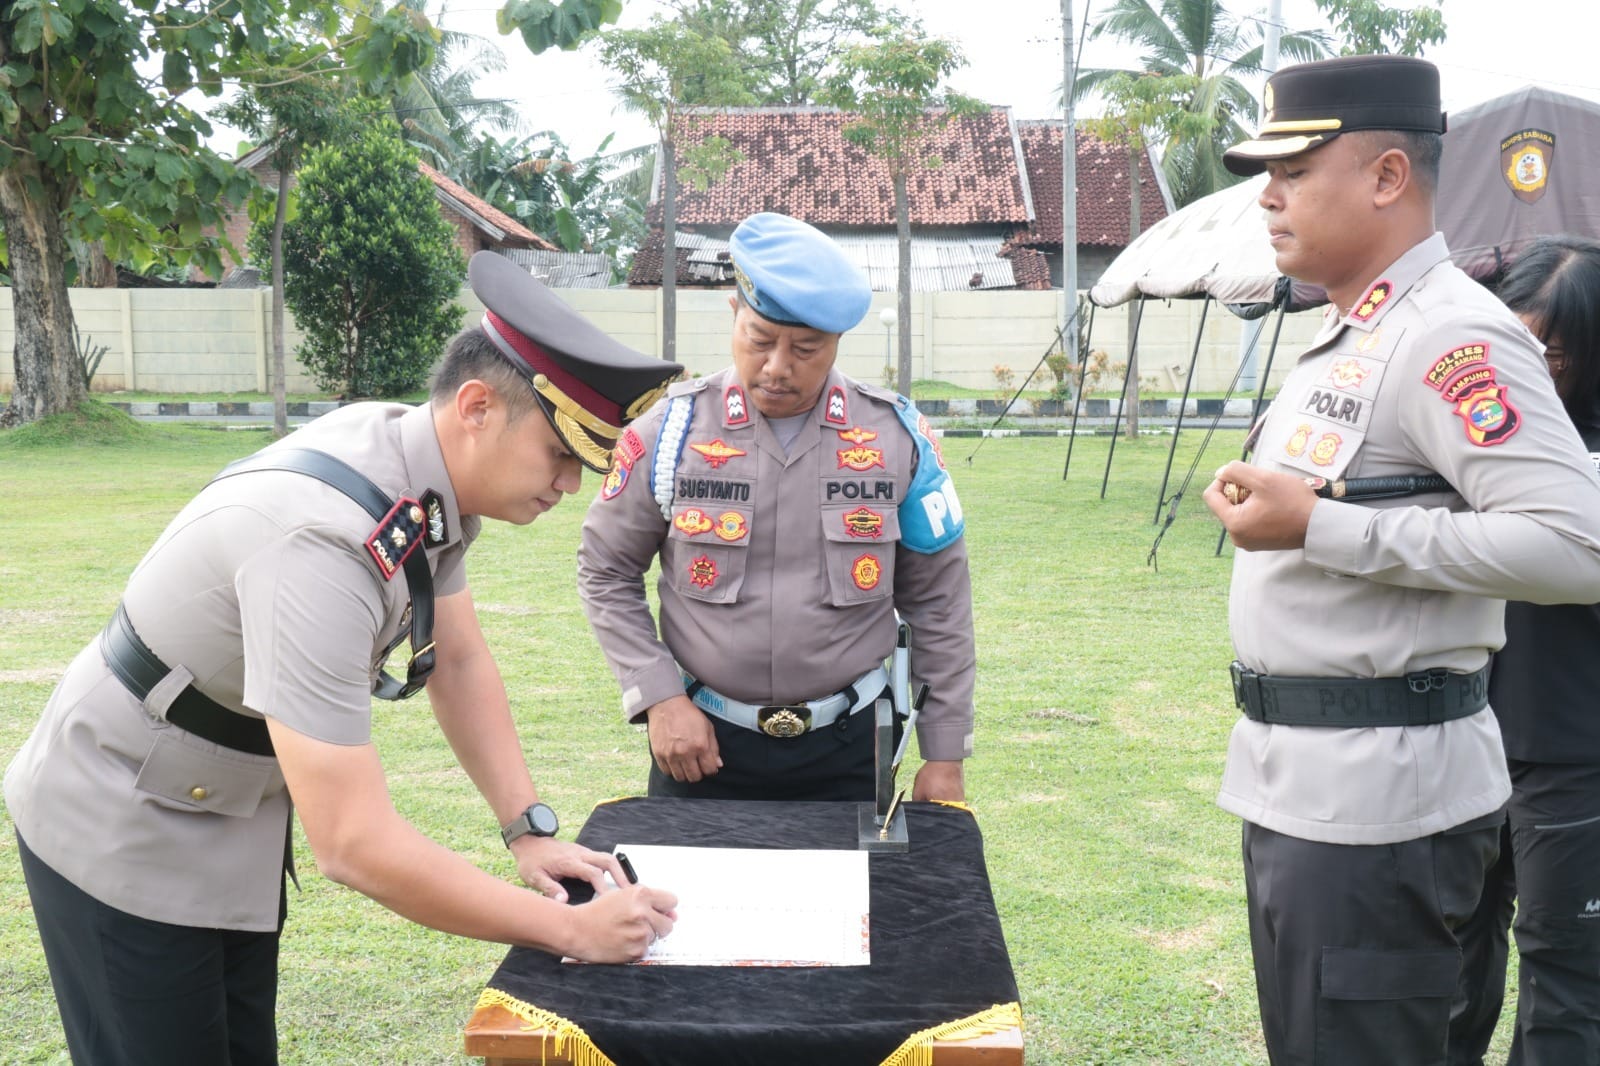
<point>881,825</point>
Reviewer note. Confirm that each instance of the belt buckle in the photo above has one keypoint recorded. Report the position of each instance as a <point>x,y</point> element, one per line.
<point>784,721</point>
<point>1236,675</point>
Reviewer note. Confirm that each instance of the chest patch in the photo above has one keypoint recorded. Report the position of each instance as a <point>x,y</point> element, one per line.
<point>861,459</point>
<point>717,452</point>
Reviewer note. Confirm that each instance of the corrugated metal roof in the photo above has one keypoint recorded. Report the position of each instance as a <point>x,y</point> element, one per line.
<point>563,270</point>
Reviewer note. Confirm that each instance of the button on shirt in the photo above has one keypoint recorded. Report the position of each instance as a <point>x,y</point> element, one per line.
<point>1428,373</point>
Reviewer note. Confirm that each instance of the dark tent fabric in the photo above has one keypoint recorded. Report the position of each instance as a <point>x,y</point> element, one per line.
<point>1517,167</point>
<point>1514,168</point>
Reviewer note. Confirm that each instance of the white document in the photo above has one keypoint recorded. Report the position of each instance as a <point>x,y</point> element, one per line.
<point>758,906</point>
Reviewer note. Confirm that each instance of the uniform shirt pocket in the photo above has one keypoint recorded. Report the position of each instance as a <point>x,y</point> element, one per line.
<point>859,553</point>
<point>192,774</point>
<point>705,555</point>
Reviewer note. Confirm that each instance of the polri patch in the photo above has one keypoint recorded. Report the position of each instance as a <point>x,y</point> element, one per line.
<point>692,522</point>
<point>1453,362</point>
<point>864,522</point>
<point>397,536</point>
<point>702,572</point>
<point>717,452</point>
<point>1488,416</point>
<point>433,506</point>
<point>866,571</point>
<point>1375,298</point>
<point>731,527</point>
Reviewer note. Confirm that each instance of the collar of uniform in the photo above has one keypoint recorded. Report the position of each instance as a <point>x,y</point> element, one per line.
<point>1396,281</point>
<point>425,469</point>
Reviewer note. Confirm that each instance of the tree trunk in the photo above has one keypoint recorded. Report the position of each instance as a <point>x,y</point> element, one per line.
<point>49,372</point>
<point>902,229</point>
<point>669,251</point>
<point>275,368</point>
<point>99,272</point>
<point>1131,398</point>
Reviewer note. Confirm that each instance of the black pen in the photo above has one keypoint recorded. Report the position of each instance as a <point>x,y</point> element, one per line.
<point>627,868</point>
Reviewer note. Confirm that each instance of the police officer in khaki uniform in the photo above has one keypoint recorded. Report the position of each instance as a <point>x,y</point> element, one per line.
<point>1367,765</point>
<point>152,801</point>
<point>794,511</point>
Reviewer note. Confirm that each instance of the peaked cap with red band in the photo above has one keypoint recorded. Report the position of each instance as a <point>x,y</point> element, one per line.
<point>589,385</point>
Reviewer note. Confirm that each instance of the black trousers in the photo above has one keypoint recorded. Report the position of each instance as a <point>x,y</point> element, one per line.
<point>1549,875</point>
<point>832,763</point>
<point>1355,948</point>
<point>134,992</point>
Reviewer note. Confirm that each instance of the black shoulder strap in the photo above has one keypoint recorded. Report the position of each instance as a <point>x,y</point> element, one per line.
<point>351,482</point>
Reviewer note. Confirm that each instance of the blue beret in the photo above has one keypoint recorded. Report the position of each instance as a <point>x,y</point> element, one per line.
<point>793,274</point>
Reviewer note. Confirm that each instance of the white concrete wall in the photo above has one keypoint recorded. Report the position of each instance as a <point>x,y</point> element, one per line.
<point>204,340</point>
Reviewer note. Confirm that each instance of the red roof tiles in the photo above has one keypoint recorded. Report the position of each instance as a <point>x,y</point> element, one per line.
<point>516,232</point>
<point>1102,188</point>
<point>797,161</point>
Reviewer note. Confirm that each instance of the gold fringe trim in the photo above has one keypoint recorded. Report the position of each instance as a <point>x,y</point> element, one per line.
<point>562,1032</point>
<point>918,1048</point>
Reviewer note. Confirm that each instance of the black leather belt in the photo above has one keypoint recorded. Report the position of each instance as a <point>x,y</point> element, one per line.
<point>140,670</point>
<point>1424,698</point>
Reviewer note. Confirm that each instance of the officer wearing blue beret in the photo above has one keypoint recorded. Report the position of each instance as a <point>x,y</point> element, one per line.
<point>794,512</point>
<point>152,801</point>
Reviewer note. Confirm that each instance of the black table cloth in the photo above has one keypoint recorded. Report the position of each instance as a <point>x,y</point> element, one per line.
<point>939,961</point>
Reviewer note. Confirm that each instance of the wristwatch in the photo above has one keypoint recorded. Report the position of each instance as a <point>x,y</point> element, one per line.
<point>538,819</point>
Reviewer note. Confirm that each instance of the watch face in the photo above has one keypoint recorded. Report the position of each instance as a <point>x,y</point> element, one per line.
<point>543,820</point>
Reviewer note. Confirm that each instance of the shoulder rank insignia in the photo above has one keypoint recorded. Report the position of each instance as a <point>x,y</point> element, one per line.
<point>861,459</point>
<point>731,527</point>
<point>866,571</point>
<point>1375,298</point>
<point>717,452</point>
<point>396,536</point>
<point>864,522</point>
<point>836,413</point>
<point>736,412</point>
<point>692,521</point>
<point>433,507</point>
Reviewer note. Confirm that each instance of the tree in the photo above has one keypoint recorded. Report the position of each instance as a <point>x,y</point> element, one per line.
<point>1199,40</point>
<point>894,87</point>
<point>660,66</point>
<point>785,48</point>
<point>370,266</point>
<point>1366,26</point>
<point>1138,109</point>
<point>94,147</point>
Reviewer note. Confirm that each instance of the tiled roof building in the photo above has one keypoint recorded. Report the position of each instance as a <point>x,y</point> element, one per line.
<point>983,218</point>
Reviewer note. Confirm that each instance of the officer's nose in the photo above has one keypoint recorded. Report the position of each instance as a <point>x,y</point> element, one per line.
<point>569,479</point>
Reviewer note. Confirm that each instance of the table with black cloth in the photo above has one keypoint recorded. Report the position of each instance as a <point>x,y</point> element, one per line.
<point>939,988</point>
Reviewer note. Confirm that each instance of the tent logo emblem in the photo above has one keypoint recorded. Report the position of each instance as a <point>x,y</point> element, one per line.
<point>1525,161</point>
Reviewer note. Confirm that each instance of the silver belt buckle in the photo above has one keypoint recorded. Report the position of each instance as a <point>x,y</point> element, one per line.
<point>784,722</point>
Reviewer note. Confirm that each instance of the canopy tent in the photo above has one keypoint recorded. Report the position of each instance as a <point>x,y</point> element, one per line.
<point>1502,184</point>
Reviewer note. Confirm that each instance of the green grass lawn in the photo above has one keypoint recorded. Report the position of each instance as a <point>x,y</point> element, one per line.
<point>1103,715</point>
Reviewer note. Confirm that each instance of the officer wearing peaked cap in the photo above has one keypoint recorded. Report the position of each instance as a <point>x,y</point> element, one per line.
<point>1366,764</point>
<point>152,801</point>
<point>794,511</point>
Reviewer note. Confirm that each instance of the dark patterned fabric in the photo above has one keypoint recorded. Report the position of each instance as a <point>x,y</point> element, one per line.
<point>938,953</point>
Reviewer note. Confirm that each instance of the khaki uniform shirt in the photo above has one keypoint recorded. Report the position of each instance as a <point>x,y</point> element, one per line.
<point>262,594</point>
<point>780,573</point>
<point>1427,373</point>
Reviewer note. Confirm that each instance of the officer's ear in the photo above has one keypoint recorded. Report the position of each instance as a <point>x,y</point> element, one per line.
<point>733,302</point>
<point>1392,171</point>
<point>474,400</point>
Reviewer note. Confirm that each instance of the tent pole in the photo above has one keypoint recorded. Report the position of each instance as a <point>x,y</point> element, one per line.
<point>1077,398</point>
<point>1261,392</point>
<point>1122,401</point>
<point>1182,405</point>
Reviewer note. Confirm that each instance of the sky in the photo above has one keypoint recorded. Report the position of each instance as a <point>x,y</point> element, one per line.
<point>1013,49</point>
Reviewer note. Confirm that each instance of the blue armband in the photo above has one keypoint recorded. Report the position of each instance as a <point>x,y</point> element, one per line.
<point>930,515</point>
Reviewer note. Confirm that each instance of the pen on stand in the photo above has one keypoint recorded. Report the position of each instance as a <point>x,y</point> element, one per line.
<point>627,868</point>
<point>888,818</point>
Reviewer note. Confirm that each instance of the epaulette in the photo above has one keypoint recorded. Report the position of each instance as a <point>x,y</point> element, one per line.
<point>686,386</point>
<point>879,393</point>
<point>397,536</point>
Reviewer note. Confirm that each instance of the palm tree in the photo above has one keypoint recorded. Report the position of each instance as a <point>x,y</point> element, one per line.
<point>1204,47</point>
